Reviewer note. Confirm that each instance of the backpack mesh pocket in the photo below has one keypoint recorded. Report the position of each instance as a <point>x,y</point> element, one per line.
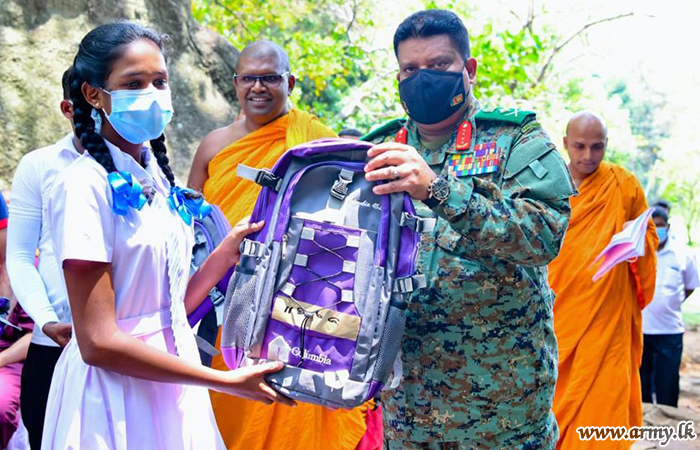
<point>391,340</point>
<point>238,315</point>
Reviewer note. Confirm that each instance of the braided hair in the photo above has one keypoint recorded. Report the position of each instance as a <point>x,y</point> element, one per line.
<point>97,52</point>
<point>160,152</point>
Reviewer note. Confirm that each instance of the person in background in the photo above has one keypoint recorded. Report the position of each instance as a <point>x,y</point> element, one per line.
<point>39,288</point>
<point>663,204</point>
<point>14,343</point>
<point>3,225</point>
<point>598,324</point>
<point>666,206</point>
<point>5,288</point>
<point>350,133</point>
<point>15,333</point>
<point>662,319</point>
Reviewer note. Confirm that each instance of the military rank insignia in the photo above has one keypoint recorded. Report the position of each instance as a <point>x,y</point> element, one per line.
<point>484,159</point>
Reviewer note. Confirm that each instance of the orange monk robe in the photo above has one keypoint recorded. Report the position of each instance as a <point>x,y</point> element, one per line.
<point>260,149</point>
<point>599,325</point>
<point>244,424</point>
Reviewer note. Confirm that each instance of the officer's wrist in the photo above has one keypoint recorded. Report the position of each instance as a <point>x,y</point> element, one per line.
<point>438,192</point>
<point>455,207</point>
<point>424,191</point>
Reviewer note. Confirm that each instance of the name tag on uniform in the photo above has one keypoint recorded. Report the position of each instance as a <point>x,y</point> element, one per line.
<point>484,159</point>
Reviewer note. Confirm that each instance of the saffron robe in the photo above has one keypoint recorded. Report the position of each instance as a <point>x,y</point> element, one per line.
<point>599,325</point>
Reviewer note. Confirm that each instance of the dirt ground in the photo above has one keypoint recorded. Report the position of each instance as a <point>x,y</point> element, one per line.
<point>688,403</point>
<point>690,371</point>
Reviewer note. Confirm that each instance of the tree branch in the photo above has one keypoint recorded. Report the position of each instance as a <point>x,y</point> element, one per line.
<point>238,17</point>
<point>530,15</point>
<point>352,20</point>
<point>526,24</point>
<point>517,17</point>
<point>558,48</point>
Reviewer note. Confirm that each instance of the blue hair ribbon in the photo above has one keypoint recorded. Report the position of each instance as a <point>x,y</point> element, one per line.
<point>188,204</point>
<point>126,192</point>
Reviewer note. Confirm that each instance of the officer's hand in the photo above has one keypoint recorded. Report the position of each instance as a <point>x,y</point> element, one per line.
<point>403,166</point>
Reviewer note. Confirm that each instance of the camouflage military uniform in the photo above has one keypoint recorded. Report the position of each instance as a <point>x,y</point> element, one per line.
<point>479,352</point>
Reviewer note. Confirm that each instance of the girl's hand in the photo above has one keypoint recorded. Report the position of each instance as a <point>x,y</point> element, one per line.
<point>232,242</point>
<point>217,264</point>
<point>249,382</point>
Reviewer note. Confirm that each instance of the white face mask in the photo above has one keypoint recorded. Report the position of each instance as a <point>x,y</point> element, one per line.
<point>139,115</point>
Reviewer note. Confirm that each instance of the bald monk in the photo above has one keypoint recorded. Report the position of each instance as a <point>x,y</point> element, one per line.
<point>268,128</point>
<point>599,325</point>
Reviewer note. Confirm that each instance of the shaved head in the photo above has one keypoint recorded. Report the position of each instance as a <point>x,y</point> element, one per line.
<point>587,119</point>
<point>263,50</point>
<point>586,140</point>
<point>263,83</point>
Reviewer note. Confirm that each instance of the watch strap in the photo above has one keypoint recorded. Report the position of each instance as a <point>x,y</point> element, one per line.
<point>431,202</point>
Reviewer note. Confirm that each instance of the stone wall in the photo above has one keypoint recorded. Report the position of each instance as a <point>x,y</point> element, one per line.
<point>39,38</point>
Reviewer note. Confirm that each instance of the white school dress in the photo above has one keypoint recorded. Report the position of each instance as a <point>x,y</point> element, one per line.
<point>92,408</point>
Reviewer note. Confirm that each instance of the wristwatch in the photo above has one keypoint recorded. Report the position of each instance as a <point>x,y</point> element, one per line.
<point>438,192</point>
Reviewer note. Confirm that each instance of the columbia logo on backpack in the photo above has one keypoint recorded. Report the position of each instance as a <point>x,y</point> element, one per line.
<point>323,286</point>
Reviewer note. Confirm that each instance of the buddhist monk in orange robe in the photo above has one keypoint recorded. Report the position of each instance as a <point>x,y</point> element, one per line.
<point>599,324</point>
<point>268,128</point>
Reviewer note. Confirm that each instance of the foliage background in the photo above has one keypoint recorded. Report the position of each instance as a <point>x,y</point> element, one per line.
<point>530,54</point>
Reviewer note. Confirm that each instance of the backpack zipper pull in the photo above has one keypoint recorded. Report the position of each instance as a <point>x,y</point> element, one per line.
<point>285,238</point>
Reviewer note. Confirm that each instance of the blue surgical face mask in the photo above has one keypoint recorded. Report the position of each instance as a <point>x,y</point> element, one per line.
<point>140,115</point>
<point>662,232</point>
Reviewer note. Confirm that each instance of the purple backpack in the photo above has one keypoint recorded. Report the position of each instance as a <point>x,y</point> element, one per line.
<point>208,234</point>
<point>323,286</point>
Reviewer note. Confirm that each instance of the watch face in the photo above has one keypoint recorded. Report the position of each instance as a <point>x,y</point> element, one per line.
<point>440,190</point>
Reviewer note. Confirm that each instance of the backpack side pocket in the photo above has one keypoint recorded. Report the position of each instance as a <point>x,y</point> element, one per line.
<point>238,315</point>
<point>390,343</point>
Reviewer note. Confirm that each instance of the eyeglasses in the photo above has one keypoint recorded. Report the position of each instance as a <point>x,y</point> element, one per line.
<point>269,81</point>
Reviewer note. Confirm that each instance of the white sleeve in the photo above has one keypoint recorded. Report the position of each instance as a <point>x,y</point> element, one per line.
<point>25,197</point>
<point>690,275</point>
<point>80,216</point>
<point>23,235</point>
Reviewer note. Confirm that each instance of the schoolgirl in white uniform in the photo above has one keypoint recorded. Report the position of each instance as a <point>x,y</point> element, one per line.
<point>131,378</point>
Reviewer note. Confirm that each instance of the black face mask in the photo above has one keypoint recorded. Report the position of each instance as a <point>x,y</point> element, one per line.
<point>431,96</point>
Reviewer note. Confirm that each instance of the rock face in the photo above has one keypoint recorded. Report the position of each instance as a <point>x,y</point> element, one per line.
<point>39,39</point>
